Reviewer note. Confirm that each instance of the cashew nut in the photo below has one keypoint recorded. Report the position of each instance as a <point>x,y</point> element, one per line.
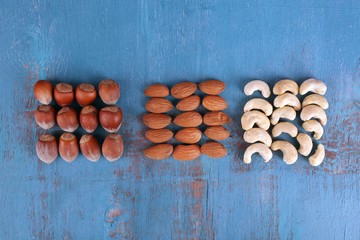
<point>257,135</point>
<point>284,127</point>
<point>290,154</point>
<point>283,112</point>
<point>313,85</point>
<point>256,85</point>
<point>313,111</point>
<point>249,119</point>
<point>314,126</point>
<point>286,85</point>
<point>260,148</point>
<point>287,99</point>
<point>259,103</point>
<point>305,144</point>
<point>318,156</point>
<point>316,99</point>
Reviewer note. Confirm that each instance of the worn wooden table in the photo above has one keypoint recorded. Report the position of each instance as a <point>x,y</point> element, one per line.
<point>138,43</point>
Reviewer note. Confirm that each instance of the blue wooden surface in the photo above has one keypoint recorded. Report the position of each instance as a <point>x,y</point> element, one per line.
<point>138,43</point>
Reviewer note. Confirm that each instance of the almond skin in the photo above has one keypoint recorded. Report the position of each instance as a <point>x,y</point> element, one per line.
<point>217,133</point>
<point>216,118</point>
<point>160,151</point>
<point>158,105</point>
<point>159,135</point>
<point>183,90</point>
<point>188,135</point>
<point>157,90</point>
<point>186,152</point>
<point>214,103</point>
<point>212,87</point>
<point>214,149</point>
<point>189,103</point>
<point>156,120</point>
<point>188,119</point>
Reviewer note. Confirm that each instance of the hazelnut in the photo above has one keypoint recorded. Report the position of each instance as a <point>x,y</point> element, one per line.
<point>85,94</point>
<point>113,147</point>
<point>67,119</point>
<point>90,147</point>
<point>89,118</point>
<point>109,91</point>
<point>45,116</point>
<point>64,94</point>
<point>43,91</point>
<point>111,118</point>
<point>68,147</point>
<point>47,148</point>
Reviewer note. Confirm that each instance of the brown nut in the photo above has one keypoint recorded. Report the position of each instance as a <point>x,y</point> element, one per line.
<point>183,90</point>
<point>189,103</point>
<point>157,90</point>
<point>216,118</point>
<point>43,91</point>
<point>186,152</point>
<point>158,105</point>
<point>64,94</point>
<point>90,147</point>
<point>47,148</point>
<point>212,87</point>
<point>159,135</point>
<point>214,149</point>
<point>67,119</point>
<point>45,116</point>
<point>188,135</point>
<point>109,91</point>
<point>156,120</point>
<point>85,94</point>
<point>214,103</point>
<point>159,151</point>
<point>68,147</point>
<point>113,147</point>
<point>89,118</point>
<point>217,133</point>
<point>111,118</point>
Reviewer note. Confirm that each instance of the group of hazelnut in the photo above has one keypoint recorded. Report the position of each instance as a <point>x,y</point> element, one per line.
<point>110,119</point>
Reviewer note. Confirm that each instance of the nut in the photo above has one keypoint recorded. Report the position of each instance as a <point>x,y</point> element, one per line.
<point>216,118</point>
<point>85,94</point>
<point>257,85</point>
<point>212,87</point>
<point>186,152</point>
<point>47,148</point>
<point>189,103</point>
<point>160,151</point>
<point>113,147</point>
<point>259,103</point>
<point>67,119</point>
<point>89,118</point>
<point>313,85</point>
<point>159,135</point>
<point>188,119</point>
<point>217,133</point>
<point>283,112</point>
<point>68,147</point>
<point>317,100</point>
<point>109,91</point>
<point>313,111</point>
<point>249,119</point>
<point>318,157</point>
<point>287,99</point>
<point>260,148</point>
<point>158,105</point>
<point>183,90</point>
<point>314,126</point>
<point>156,120</point>
<point>214,103</point>
<point>290,154</point>
<point>286,85</point>
<point>157,90</point>
<point>111,118</point>
<point>188,135</point>
<point>43,91</point>
<point>257,135</point>
<point>284,127</point>
<point>90,147</point>
<point>63,94</point>
<point>305,144</point>
<point>214,149</point>
<point>45,116</point>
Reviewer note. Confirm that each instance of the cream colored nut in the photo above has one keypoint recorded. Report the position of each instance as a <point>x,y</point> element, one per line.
<point>249,119</point>
<point>284,127</point>
<point>313,111</point>
<point>287,99</point>
<point>260,148</point>
<point>318,156</point>
<point>290,154</point>
<point>283,112</point>
<point>257,135</point>
<point>286,85</point>
<point>313,85</point>
<point>257,85</point>
<point>314,126</point>
<point>259,103</point>
<point>305,144</point>
<point>317,100</point>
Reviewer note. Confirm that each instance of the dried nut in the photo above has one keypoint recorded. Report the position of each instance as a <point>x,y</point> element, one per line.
<point>67,119</point>
<point>45,116</point>
<point>89,118</point>
<point>249,119</point>
<point>318,157</point>
<point>43,91</point>
<point>287,99</point>
<point>283,112</point>
<point>63,94</point>
<point>257,85</point>
<point>111,118</point>
<point>284,127</point>
<point>260,148</point>
<point>313,111</point>
<point>214,149</point>
<point>85,94</point>
<point>160,151</point>
<point>317,100</point>
<point>109,91</point>
<point>159,135</point>
<point>212,87</point>
<point>183,90</point>
<point>189,103</point>
<point>47,148</point>
<point>214,103</point>
<point>216,118</point>
<point>305,144</point>
<point>157,90</point>
<point>186,152</point>
<point>290,154</point>
<point>90,147</point>
<point>257,135</point>
<point>188,119</point>
<point>68,147</point>
<point>158,105</point>
<point>156,120</point>
<point>314,126</point>
<point>217,133</point>
<point>113,147</point>
<point>313,85</point>
<point>286,85</point>
<point>259,103</point>
<point>188,135</point>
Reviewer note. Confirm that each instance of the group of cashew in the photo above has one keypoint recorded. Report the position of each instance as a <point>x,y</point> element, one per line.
<point>260,112</point>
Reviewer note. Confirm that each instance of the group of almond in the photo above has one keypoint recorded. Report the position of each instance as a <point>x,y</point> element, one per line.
<point>286,104</point>
<point>189,120</point>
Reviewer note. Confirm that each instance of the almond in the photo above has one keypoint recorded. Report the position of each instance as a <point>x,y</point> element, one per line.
<point>214,103</point>
<point>217,133</point>
<point>216,118</point>
<point>188,119</point>
<point>212,87</point>
<point>183,90</point>
<point>156,120</point>
<point>186,152</point>
<point>189,103</point>
<point>160,151</point>
<point>158,105</point>
<point>159,135</point>
<point>214,149</point>
<point>188,135</point>
<point>157,90</point>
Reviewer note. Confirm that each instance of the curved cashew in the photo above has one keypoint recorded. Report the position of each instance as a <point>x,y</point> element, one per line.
<point>249,119</point>
<point>259,103</point>
<point>284,127</point>
<point>290,154</point>
<point>316,99</point>
<point>286,85</point>
<point>318,156</point>
<point>313,85</point>
<point>257,135</point>
<point>287,99</point>
<point>283,112</point>
<point>314,126</point>
<point>305,144</point>
<point>256,85</point>
<point>313,111</point>
<point>260,148</point>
